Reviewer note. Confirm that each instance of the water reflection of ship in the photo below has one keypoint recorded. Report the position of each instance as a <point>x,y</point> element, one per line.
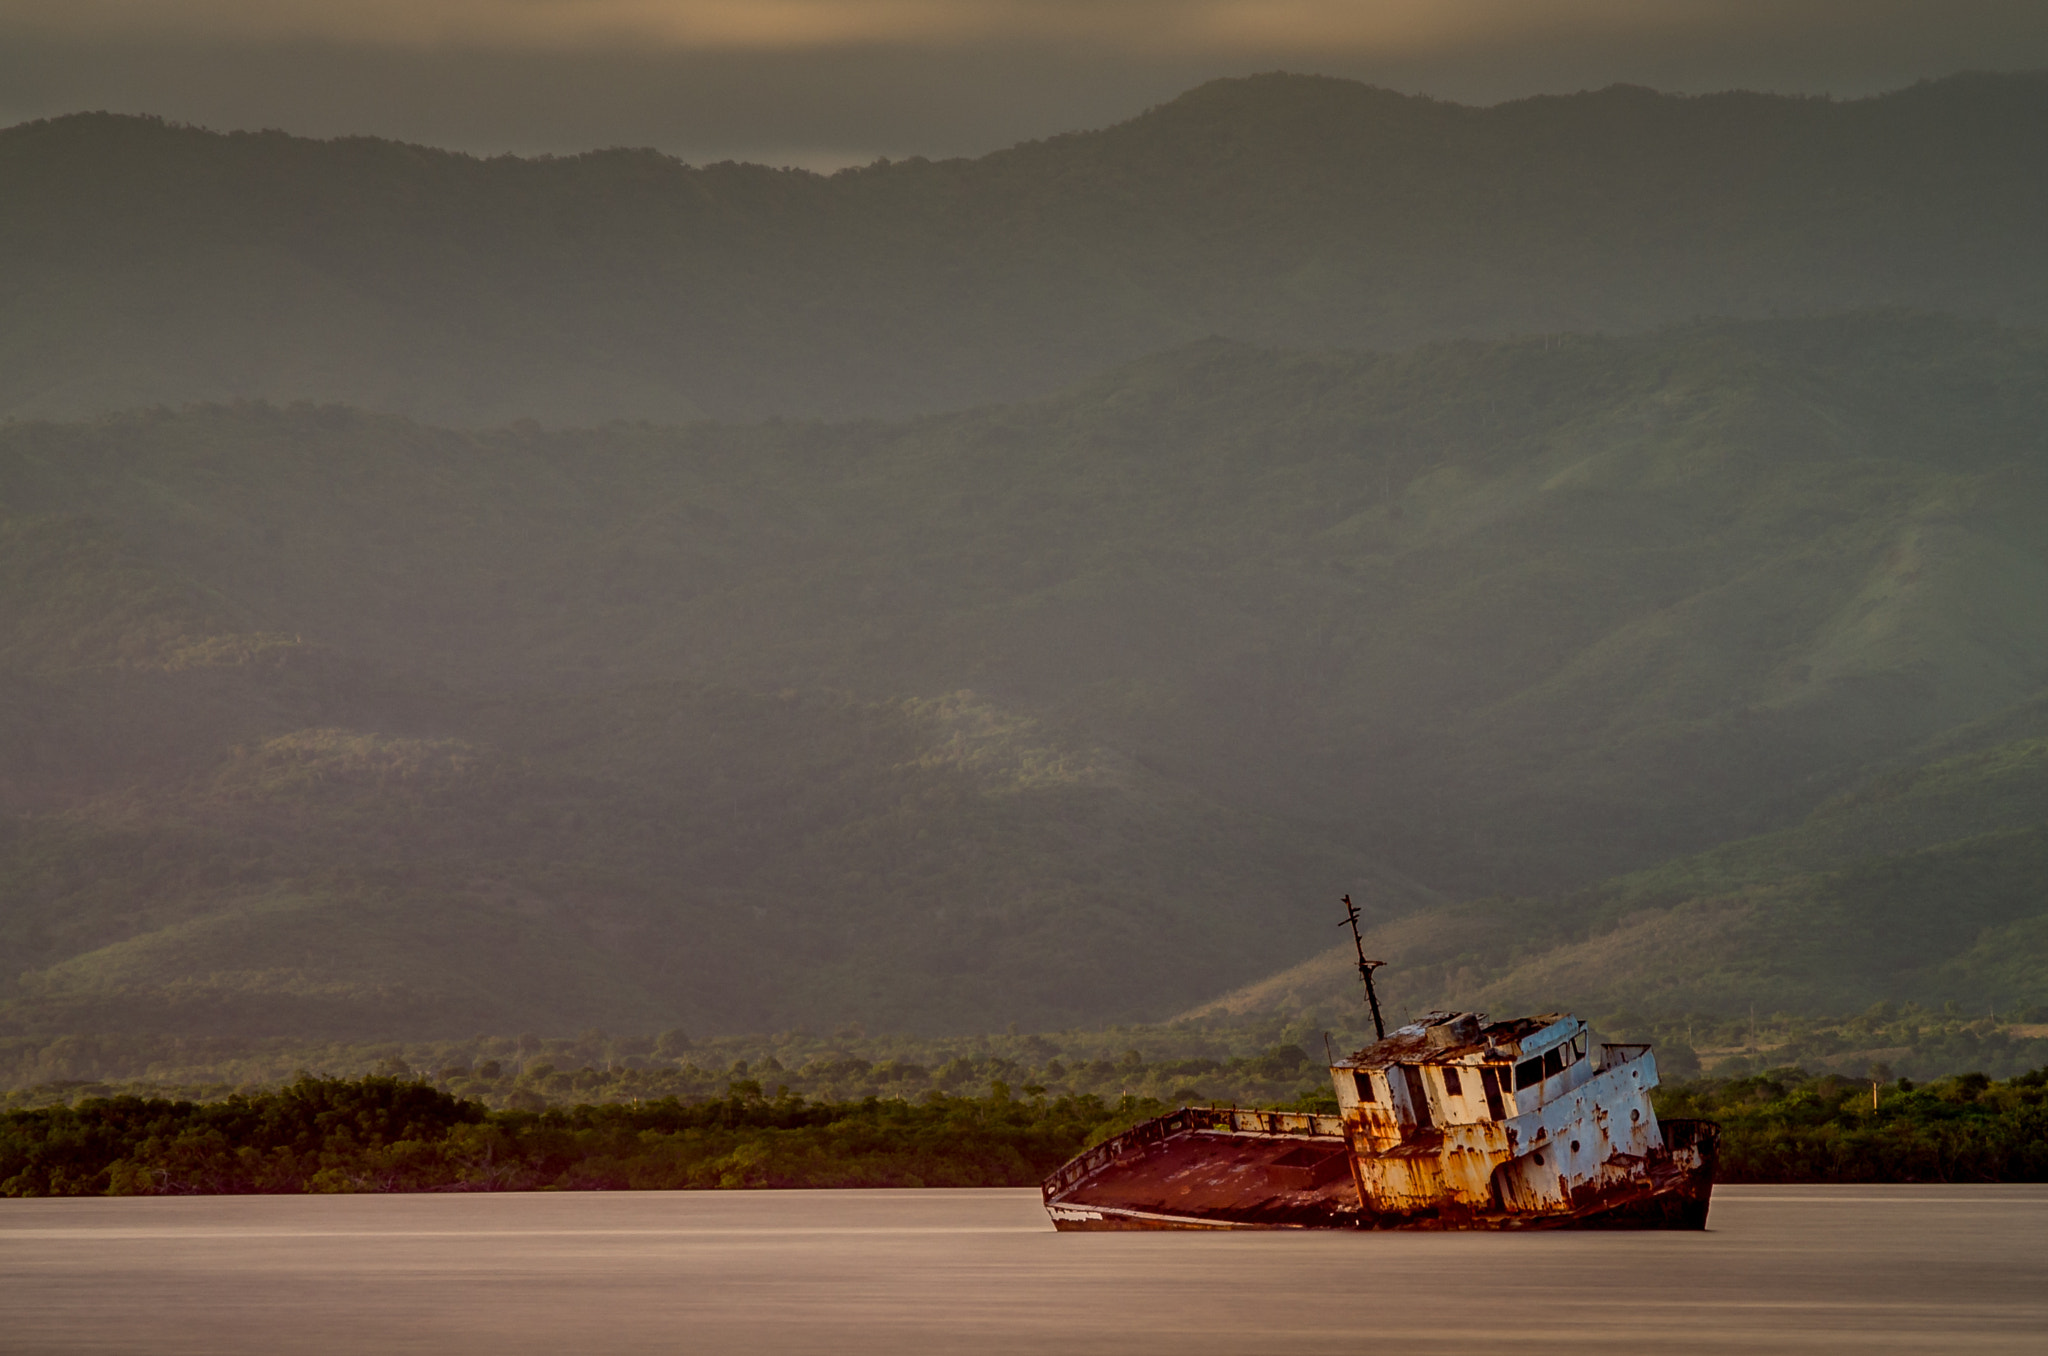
<point>1447,1123</point>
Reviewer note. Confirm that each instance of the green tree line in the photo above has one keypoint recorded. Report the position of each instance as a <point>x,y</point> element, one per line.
<point>390,1134</point>
<point>1788,1126</point>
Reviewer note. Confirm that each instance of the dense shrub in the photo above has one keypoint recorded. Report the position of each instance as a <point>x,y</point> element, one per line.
<point>383,1134</point>
<point>1787,1126</point>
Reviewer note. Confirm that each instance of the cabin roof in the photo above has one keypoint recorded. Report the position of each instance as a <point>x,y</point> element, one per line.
<point>1452,1038</point>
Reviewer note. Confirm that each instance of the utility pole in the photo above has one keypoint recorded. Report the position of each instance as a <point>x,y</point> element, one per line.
<point>1365,967</point>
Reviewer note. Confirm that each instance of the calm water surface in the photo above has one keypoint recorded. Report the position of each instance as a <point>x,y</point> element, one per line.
<point>1891,1269</point>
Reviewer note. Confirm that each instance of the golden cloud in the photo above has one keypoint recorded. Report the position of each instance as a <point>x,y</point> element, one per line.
<point>1161,26</point>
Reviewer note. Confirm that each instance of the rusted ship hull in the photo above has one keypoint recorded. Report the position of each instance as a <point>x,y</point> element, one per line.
<point>1200,1168</point>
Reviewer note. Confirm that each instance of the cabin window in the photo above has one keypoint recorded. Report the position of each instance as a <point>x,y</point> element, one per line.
<point>1553,1061</point>
<point>1363,1081</point>
<point>1529,1073</point>
<point>1452,1087</point>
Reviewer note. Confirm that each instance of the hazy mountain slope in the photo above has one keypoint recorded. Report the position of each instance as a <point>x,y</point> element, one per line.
<point>635,858</point>
<point>1923,883</point>
<point>1247,629</point>
<point>143,263</point>
<point>214,831</point>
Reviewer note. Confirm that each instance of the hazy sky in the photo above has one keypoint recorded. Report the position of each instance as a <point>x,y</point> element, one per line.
<point>829,82</point>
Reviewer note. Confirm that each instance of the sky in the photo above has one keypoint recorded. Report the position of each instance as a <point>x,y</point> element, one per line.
<point>826,83</point>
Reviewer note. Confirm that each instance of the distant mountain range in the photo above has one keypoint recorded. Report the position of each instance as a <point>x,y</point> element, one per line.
<point>1689,670</point>
<point>143,263</point>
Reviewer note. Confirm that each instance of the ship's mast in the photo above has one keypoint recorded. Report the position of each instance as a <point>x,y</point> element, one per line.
<point>1365,967</point>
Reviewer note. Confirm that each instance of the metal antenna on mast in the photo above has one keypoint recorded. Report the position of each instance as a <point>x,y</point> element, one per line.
<point>1365,967</point>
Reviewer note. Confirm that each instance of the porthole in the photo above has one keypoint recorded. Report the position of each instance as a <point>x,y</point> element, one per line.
<point>1575,1146</point>
<point>1539,1159</point>
<point>1635,1115</point>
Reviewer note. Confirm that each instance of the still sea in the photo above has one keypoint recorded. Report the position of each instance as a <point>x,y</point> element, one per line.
<point>1797,1269</point>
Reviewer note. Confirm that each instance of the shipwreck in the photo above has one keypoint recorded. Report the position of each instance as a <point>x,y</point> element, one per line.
<point>1450,1122</point>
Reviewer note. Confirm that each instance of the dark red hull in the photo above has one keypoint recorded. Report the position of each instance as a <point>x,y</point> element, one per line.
<point>1205,1169</point>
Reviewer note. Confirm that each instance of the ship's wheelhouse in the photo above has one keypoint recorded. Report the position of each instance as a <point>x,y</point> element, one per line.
<point>1452,1071</point>
<point>1513,1115</point>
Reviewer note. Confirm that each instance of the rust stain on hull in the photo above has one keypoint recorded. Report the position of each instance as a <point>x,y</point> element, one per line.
<point>1207,1176</point>
<point>1464,1127</point>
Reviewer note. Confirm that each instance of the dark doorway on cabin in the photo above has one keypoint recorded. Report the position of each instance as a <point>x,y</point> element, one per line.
<point>1418,1098</point>
<point>1491,1082</point>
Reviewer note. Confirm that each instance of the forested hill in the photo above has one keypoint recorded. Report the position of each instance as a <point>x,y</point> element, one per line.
<point>324,722</point>
<point>143,263</point>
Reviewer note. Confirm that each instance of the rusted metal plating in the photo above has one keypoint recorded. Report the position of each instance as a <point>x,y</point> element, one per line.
<point>1445,1123</point>
<point>1449,1114</point>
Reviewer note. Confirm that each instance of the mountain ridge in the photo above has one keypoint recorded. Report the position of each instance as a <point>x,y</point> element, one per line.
<point>153,264</point>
